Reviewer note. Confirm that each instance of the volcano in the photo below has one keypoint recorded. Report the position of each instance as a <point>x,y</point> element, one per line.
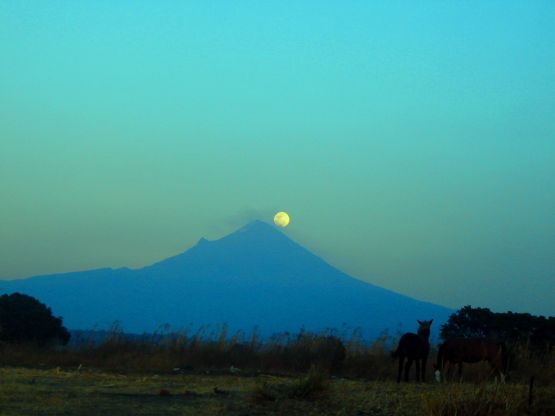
<point>255,277</point>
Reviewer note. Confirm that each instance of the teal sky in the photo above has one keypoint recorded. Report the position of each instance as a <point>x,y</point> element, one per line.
<point>412,143</point>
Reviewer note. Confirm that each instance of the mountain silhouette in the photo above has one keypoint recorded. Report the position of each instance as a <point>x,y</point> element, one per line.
<point>253,277</point>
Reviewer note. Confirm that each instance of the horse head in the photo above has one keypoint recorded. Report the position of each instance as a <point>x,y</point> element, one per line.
<point>424,328</point>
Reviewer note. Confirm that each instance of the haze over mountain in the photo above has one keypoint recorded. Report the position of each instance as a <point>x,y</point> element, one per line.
<point>253,277</point>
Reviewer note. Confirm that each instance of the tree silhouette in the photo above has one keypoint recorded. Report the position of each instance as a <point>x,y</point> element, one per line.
<point>467,323</point>
<point>23,319</point>
<point>538,332</point>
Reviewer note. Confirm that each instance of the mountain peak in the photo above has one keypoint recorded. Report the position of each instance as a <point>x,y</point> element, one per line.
<point>202,241</point>
<point>257,226</point>
<point>256,231</point>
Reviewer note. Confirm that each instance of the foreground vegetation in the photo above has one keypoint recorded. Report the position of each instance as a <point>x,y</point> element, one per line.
<point>349,357</point>
<point>305,374</point>
<point>92,392</point>
<point>232,374</point>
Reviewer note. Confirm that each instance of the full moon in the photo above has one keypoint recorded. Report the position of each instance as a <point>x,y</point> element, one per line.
<point>281,219</point>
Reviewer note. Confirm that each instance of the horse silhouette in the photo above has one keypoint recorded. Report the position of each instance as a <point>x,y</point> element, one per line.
<point>414,347</point>
<point>456,351</point>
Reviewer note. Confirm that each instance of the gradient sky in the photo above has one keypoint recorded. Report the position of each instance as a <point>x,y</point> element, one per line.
<point>412,143</point>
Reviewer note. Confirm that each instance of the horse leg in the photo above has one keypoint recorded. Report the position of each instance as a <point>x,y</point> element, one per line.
<point>401,359</point>
<point>460,371</point>
<point>407,368</point>
<point>501,374</point>
<point>493,372</point>
<point>440,373</point>
<point>417,361</point>
<point>424,360</point>
<point>449,372</point>
<point>498,364</point>
<point>495,369</point>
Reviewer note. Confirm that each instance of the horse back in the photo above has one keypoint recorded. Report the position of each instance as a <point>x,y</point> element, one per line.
<point>472,350</point>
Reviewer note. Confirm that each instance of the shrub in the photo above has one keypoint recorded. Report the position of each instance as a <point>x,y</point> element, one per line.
<point>23,319</point>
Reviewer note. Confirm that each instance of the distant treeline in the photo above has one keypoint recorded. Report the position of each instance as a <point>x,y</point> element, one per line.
<point>24,319</point>
<point>536,332</point>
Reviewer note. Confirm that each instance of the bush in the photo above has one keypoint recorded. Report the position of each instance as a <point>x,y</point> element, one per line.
<point>23,319</point>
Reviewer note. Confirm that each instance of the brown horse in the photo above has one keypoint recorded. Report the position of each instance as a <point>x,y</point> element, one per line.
<point>414,347</point>
<point>470,350</point>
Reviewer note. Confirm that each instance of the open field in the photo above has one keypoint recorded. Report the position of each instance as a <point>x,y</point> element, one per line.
<point>283,376</point>
<point>26,391</point>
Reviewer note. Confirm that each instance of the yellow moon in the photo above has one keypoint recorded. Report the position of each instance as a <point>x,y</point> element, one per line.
<point>281,219</point>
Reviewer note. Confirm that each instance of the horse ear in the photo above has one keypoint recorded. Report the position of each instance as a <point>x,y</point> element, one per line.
<point>431,321</point>
<point>419,322</point>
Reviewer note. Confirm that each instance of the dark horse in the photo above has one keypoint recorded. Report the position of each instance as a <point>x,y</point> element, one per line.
<point>414,347</point>
<point>470,350</point>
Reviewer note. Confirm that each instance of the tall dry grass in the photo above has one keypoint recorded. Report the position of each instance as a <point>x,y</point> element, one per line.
<point>487,400</point>
<point>201,351</point>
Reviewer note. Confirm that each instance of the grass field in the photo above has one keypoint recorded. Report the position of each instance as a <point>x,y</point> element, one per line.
<point>25,391</point>
<point>282,376</point>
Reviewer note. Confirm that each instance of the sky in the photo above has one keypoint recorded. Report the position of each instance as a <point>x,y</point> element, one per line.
<point>412,143</point>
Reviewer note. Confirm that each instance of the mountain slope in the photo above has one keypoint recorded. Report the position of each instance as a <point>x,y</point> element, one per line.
<point>255,276</point>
